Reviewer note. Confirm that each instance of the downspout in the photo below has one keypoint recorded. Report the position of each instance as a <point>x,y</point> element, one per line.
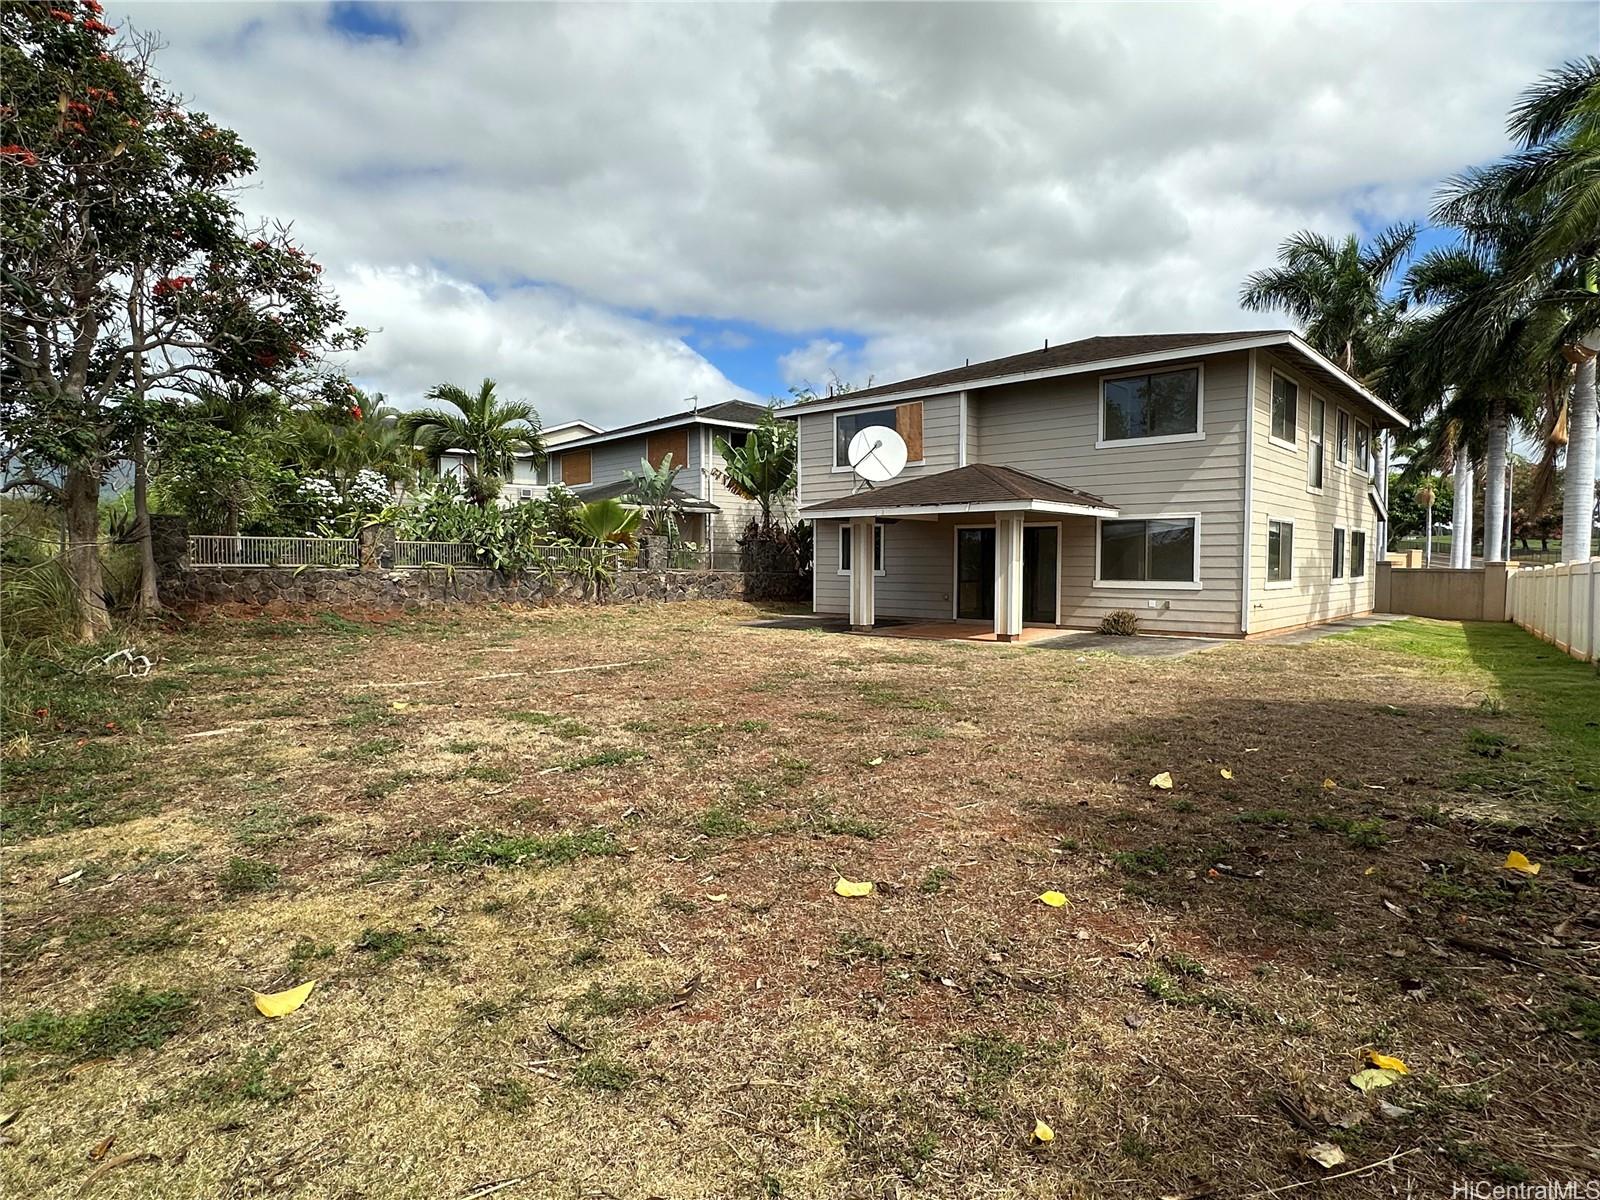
<point>1247,516</point>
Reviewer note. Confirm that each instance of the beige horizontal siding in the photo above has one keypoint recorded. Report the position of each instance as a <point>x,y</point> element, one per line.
<point>1050,428</point>
<point>941,417</point>
<point>1280,492</point>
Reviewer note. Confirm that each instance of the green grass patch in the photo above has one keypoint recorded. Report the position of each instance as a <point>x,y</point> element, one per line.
<point>243,876</point>
<point>508,850</point>
<point>387,945</point>
<point>128,1019</point>
<point>553,724</point>
<point>721,823</point>
<point>250,1080</point>
<point>600,1001</point>
<point>614,757</point>
<point>604,1075</point>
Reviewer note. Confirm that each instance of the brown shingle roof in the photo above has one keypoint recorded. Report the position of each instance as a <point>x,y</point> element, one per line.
<point>1068,354</point>
<point>978,484</point>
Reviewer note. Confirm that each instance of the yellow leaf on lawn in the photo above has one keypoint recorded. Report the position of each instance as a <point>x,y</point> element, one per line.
<point>1162,781</point>
<point>1225,773</point>
<point>1374,1077</point>
<point>1370,871</point>
<point>1043,1132</point>
<point>400,706</point>
<point>1387,1062</point>
<point>849,887</point>
<point>1518,861</point>
<point>281,1004</point>
<point>1328,785</point>
<point>1053,899</point>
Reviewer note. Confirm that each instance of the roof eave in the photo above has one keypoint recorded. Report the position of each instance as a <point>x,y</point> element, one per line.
<point>890,511</point>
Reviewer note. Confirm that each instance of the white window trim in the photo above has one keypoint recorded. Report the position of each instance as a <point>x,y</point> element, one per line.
<point>1350,558</point>
<point>1292,447</point>
<point>1351,421</point>
<point>955,571</point>
<point>1144,585</point>
<point>1101,442</point>
<point>1341,559</point>
<point>1320,444</point>
<point>833,446</point>
<point>1356,423</point>
<point>1278,585</point>
<point>879,533</point>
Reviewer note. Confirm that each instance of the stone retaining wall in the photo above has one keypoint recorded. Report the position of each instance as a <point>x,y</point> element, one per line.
<point>353,588</point>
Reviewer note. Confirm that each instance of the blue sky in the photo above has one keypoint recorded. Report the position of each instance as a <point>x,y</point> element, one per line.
<point>610,208</point>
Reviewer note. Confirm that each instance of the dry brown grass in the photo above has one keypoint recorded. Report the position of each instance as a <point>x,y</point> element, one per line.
<point>697,1015</point>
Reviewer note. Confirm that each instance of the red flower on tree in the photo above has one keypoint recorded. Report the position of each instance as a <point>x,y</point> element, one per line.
<point>355,411</point>
<point>172,285</point>
<point>100,27</point>
<point>21,153</point>
<point>63,16</point>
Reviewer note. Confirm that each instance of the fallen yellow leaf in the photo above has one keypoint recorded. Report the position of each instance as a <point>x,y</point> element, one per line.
<point>281,1004</point>
<point>400,706</point>
<point>849,887</point>
<point>1043,1132</point>
<point>1225,773</point>
<point>1328,785</point>
<point>1374,1077</point>
<point>1162,781</point>
<point>1518,861</point>
<point>1370,871</point>
<point>1053,899</point>
<point>1387,1062</point>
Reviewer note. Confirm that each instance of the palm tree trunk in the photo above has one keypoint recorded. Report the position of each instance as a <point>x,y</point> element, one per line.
<point>1471,517</point>
<point>1494,496</point>
<point>1577,500</point>
<point>1460,504</point>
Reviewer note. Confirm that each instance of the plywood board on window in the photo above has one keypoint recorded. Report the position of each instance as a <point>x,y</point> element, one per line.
<point>669,441</point>
<point>908,424</point>
<point>575,468</point>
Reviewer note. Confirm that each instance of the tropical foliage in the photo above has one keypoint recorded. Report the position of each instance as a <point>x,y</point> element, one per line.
<point>764,467</point>
<point>493,433</point>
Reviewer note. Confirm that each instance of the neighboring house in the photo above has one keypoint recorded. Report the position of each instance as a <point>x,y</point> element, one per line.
<point>528,481</point>
<point>1226,484</point>
<point>598,465</point>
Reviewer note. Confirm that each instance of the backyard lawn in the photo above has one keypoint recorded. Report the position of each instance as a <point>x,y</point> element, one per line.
<point>565,881</point>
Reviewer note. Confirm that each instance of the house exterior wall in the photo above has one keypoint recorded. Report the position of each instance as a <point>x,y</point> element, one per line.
<point>941,437</point>
<point>1280,491</point>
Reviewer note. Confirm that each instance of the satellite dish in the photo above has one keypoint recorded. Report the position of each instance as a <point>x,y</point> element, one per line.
<point>877,454</point>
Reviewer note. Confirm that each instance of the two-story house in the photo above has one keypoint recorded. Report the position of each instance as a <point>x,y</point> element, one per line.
<point>598,465</point>
<point>1225,484</point>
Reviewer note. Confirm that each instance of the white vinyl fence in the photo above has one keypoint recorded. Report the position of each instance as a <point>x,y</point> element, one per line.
<point>428,554</point>
<point>1560,604</point>
<point>220,550</point>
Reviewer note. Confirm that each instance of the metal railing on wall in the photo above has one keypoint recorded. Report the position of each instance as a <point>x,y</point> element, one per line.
<point>220,550</point>
<point>429,554</point>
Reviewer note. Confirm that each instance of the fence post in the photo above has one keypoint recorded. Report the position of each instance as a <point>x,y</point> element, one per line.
<point>376,546</point>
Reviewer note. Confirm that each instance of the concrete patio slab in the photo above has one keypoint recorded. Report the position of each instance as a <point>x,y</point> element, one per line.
<point>1087,641</point>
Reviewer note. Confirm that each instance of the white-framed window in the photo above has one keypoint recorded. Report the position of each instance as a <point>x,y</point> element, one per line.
<point>1358,553</point>
<point>1363,447</point>
<point>1152,406</point>
<point>1280,551</point>
<point>1158,551</point>
<point>847,424</point>
<point>1285,411</point>
<point>1338,552</point>
<point>1315,435</point>
<point>877,549</point>
<point>1341,441</point>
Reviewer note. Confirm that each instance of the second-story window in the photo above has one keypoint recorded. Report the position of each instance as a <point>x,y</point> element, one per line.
<point>1363,446</point>
<point>1160,404</point>
<point>1341,441</point>
<point>1285,409</point>
<point>905,419</point>
<point>1314,437</point>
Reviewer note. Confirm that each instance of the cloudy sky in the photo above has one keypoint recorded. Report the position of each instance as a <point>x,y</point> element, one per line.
<point>610,208</point>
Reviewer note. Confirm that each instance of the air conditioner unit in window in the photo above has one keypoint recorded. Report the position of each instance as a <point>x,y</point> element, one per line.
<point>527,493</point>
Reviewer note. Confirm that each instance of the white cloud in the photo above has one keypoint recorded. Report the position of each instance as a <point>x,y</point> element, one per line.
<point>945,181</point>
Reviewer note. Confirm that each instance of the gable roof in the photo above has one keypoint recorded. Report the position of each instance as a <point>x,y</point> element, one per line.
<point>1105,353</point>
<point>981,487</point>
<point>739,414</point>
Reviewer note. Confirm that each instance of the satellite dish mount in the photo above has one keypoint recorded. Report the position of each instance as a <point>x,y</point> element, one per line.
<point>877,454</point>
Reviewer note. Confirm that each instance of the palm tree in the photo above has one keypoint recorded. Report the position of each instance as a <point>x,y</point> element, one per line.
<point>493,432</point>
<point>1554,177</point>
<point>1335,290</point>
<point>608,522</point>
<point>763,468</point>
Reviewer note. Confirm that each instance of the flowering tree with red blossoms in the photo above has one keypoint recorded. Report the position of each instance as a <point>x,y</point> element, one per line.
<point>128,270</point>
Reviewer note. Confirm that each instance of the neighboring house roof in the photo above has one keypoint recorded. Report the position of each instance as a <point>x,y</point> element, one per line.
<point>619,489</point>
<point>738,413</point>
<point>1103,353</point>
<point>981,487</point>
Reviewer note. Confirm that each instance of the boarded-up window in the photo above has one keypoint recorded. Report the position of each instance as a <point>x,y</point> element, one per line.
<point>908,424</point>
<point>575,468</point>
<point>671,441</point>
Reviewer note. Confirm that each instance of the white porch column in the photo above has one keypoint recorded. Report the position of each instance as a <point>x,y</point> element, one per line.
<point>863,579</point>
<point>1007,576</point>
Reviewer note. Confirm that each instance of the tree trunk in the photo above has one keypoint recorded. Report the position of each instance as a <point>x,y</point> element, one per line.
<point>1470,515</point>
<point>1461,500</point>
<point>148,602</point>
<point>81,500</point>
<point>1427,539</point>
<point>1494,494</point>
<point>1577,500</point>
